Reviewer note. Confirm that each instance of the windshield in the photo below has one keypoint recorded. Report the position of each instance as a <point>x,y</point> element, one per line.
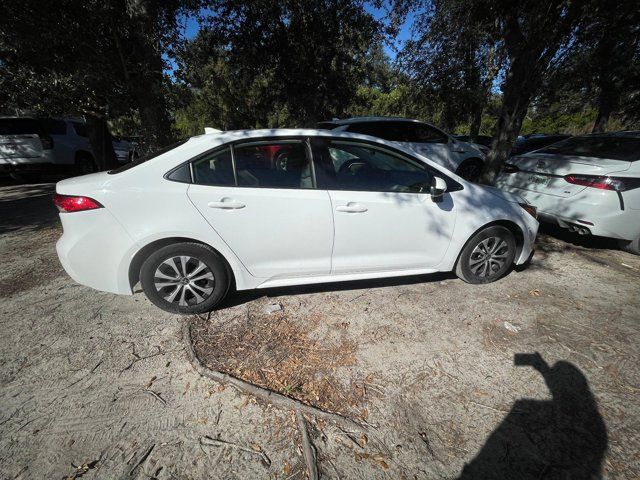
<point>148,157</point>
<point>615,148</point>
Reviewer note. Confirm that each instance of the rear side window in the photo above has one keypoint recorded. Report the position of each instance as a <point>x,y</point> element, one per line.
<point>146,158</point>
<point>20,126</point>
<point>422,133</point>
<point>214,169</point>
<point>55,127</point>
<point>277,164</point>
<point>392,131</point>
<point>615,148</point>
<point>81,129</point>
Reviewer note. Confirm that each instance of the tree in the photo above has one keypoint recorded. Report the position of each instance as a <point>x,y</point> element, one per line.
<point>277,63</point>
<point>90,57</point>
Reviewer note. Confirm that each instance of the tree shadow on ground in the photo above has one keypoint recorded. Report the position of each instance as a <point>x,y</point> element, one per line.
<point>563,438</point>
<point>27,207</point>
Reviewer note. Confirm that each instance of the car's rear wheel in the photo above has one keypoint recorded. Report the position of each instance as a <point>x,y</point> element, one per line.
<point>487,256</point>
<point>470,169</point>
<point>631,246</point>
<point>185,278</point>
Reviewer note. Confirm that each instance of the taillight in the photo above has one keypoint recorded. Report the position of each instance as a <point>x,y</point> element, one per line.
<point>46,141</point>
<point>510,168</point>
<point>74,203</point>
<point>593,181</point>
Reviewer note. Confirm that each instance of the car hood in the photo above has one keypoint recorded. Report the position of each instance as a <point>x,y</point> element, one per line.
<point>506,196</point>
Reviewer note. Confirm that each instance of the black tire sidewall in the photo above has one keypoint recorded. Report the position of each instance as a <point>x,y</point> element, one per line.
<point>462,267</point>
<point>201,252</point>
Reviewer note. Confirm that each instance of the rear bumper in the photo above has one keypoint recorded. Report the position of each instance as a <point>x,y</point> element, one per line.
<point>26,164</point>
<point>95,250</point>
<point>600,212</point>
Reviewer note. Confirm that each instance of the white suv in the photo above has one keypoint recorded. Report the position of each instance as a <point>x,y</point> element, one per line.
<point>588,184</point>
<point>29,146</point>
<point>463,158</point>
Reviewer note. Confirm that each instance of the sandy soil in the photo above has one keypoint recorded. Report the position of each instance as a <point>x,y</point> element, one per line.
<point>99,385</point>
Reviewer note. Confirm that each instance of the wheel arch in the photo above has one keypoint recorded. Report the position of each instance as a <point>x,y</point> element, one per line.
<point>141,255</point>
<point>513,227</point>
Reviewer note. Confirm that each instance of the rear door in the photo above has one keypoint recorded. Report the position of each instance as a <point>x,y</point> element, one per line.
<point>267,208</point>
<point>20,138</point>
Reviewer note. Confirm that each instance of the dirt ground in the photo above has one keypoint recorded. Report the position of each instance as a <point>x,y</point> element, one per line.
<point>442,374</point>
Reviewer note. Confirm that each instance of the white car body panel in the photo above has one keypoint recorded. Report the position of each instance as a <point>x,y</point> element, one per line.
<point>286,236</point>
<point>541,182</point>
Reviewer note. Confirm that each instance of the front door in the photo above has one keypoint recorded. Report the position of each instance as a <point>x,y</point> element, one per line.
<point>384,216</point>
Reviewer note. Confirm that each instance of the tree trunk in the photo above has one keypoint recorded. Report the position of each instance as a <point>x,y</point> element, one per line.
<point>101,143</point>
<point>476,121</point>
<point>520,83</point>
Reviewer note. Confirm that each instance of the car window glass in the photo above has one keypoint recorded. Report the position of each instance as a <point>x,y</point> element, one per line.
<point>55,127</point>
<point>422,133</point>
<point>357,166</point>
<point>392,131</point>
<point>615,148</point>
<point>19,126</point>
<point>214,169</point>
<point>81,129</point>
<point>282,164</point>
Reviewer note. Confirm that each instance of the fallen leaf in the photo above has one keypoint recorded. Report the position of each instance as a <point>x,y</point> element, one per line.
<point>534,293</point>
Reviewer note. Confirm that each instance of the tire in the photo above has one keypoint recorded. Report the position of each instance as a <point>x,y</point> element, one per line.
<point>470,170</point>
<point>179,293</point>
<point>500,244</point>
<point>85,164</point>
<point>631,246</point>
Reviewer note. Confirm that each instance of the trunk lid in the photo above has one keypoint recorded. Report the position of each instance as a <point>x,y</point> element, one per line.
<point>20,146</point>
<point>544,173</point>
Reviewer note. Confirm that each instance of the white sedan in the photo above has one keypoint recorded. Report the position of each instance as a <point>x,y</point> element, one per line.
<point>270,208</point>
<point>588,184</point>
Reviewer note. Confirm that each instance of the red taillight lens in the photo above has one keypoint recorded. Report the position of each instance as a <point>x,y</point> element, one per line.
<point>74,203</point>
<point>510,168</point>
<point>603,183</point>
<point>46,141</point>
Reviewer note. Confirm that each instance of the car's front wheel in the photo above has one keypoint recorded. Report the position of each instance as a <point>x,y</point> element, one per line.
<point>185,278</point>
<point>487,256</point>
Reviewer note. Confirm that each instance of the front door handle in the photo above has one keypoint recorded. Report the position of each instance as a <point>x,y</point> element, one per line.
<point>226,204</point>
<point>351,207</point>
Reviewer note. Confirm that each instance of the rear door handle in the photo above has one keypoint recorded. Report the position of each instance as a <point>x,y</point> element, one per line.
<point>351,207</point>
<point>226,204</point>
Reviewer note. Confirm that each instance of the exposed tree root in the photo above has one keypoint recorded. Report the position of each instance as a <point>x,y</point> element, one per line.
<point>276,399</point>
<point>308,450</point>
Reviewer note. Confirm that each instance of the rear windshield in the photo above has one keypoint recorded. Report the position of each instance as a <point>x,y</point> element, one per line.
<point>19,126</point>
<point>538,142</point>
<point>146,158</point>
<point>615,148</point>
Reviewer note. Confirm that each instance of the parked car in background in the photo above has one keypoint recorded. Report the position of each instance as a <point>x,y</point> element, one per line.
<point>466,160</point>
<point>269,208</point>
<point>481,142</point>
<point>31,146</point>
<point>589,184</point>
<point>535,141</point>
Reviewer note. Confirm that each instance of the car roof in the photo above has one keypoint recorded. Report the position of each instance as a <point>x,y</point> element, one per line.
<point>349,121</point>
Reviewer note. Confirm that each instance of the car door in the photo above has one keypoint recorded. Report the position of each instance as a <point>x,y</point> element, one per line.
<point>384,217</point>
<point>261,199</point>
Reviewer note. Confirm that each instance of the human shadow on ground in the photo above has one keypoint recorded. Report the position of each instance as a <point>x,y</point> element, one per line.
<point>561,438</point>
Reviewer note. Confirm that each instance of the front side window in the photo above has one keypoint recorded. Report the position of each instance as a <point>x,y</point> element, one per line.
<point>273,164</point>
<point>356,166</point>
<point>392,131</point>
<point>81,129</point>
<point>215,168</point>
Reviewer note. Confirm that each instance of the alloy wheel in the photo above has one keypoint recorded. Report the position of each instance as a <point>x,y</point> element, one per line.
<point>184,280</point>
<point>488,257</point>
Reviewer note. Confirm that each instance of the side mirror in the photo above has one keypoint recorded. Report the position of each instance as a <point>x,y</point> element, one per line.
<point>438,187</point>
